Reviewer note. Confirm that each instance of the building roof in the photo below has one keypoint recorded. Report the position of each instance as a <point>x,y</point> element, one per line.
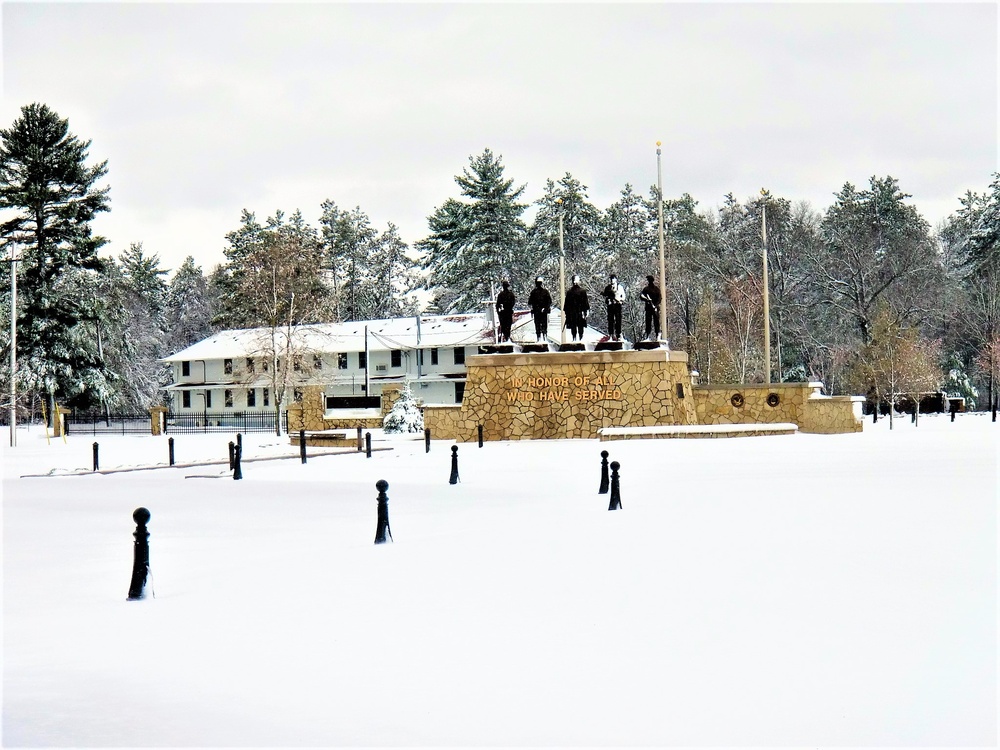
<point>435,331</point>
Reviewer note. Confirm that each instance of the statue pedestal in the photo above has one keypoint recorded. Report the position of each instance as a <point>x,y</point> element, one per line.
<point>647,345</point>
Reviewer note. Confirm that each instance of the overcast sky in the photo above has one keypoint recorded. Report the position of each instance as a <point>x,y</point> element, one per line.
<point>205,109</point>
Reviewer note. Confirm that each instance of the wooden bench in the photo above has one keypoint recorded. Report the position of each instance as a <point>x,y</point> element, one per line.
<point>697,431</point>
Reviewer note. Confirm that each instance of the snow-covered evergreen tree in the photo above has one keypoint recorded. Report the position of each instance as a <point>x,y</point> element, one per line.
<point>49,196</point>
<point>476,242</point>
<point>189,307</point>
<point>405,415</point>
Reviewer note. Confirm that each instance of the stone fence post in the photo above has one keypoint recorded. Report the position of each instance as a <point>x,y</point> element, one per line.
<point>157,418</point>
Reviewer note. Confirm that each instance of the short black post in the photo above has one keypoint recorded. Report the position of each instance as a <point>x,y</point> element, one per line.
<point>913,416</point>
<point>239,441</point>
<point>170,450</point>
<point>140,560</point>
<point>454,465</point>
<point>480,430</point>
<point>361,441</point>
<point>302,445</point>
<point>427,440</point>
<point>953,410</point>
<point>383,513</point>
<point>97,463</point>
<point>875,414</point>
<point>604,473</point>
<point>994,410</point>
<point>616,496</point>
<point>232,454</point>
<point>237,469</point>
<point>368,444</point>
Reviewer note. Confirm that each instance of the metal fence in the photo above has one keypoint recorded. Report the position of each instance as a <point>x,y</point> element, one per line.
<point>104,423</point>
<point>212,421</point>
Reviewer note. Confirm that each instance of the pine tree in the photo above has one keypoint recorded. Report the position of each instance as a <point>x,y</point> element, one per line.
<point>477,242</point>
<point>188,311</point>
<point>51,196</point>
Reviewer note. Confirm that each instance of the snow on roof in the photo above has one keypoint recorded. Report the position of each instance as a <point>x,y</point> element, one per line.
<point>436,331</point>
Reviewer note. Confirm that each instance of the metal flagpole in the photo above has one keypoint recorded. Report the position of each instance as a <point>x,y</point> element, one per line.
<point>767,312</point>
<point>663,264</point>
<point>562,278</point>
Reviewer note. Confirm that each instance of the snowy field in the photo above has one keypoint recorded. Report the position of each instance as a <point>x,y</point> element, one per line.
<point>801,590</point>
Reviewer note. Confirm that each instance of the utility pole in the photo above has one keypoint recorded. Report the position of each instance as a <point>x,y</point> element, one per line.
<point>13,348</point>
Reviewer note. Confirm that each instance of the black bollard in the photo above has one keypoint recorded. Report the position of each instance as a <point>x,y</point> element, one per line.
<point>361,441</point>
<point>368,444</point>
<point>140,561</point>
<point>427,440</point>
<point>604,473</point>
<point>232,454</point>
<point>170,450</point>
<point>954,410</point>
<point>454,466</point>
<point>239,442</point>
<point>616,496</point>
<point>383,513</point>
<point>97,464</point>
<point>302,445</point>
<point>480,430</point>
<point>994,407</point>
<point>875,414</point>
<point>237,469</point>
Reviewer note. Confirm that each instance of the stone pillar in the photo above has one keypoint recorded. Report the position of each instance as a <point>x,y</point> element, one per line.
<point>157,414</point>
<point>57,422</point>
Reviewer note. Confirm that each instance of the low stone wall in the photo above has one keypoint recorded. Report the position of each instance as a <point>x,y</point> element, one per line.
<point>799,403</point>
<point>310,413</point>
<point>833,414</point>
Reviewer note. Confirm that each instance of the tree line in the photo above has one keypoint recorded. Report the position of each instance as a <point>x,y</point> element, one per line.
<point>865,295</point>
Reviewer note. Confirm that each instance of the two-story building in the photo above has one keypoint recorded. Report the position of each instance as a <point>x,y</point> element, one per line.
<point>351,363</point>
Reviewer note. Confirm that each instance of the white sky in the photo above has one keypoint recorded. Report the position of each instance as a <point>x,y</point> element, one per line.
<point>205,109</point>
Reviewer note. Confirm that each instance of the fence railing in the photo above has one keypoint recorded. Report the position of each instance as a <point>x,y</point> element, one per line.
<point>104,423</point>
<point>215,421</point>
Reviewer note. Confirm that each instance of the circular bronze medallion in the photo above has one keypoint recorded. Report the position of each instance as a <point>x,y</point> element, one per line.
<point>737,400</point>
<point>773,399</point>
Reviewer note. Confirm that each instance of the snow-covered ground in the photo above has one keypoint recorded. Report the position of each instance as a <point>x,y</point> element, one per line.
<point>793,590</point>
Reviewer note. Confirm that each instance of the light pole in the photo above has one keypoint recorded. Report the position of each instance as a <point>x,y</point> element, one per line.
<point>663,264</point>
<point>767,311</point>
<point>562,278</point>
<point>13,348</point>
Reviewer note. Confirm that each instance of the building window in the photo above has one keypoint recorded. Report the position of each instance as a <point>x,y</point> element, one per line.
<point>186,399</point>
<point>396,358</point>
<point>186,369</point>
<point>208,399</point>
<point>227,366</point>
<point>252,397</point>
<point>250,365</point>
<point>264,364</point>
<point>342,361</point>
<point>317,362</point>
<point>420,357</point>
<point>362,360</point>
<point>266,396</point>
<point>297,395</point>
<point>297,363</point>
<point>228,394</point>
<point>434,356</point>
<point>460,356</point>
<point>459,392</point>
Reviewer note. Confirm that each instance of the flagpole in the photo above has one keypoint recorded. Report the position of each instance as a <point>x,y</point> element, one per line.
<point>767,311</point>
<point>663,265</point>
